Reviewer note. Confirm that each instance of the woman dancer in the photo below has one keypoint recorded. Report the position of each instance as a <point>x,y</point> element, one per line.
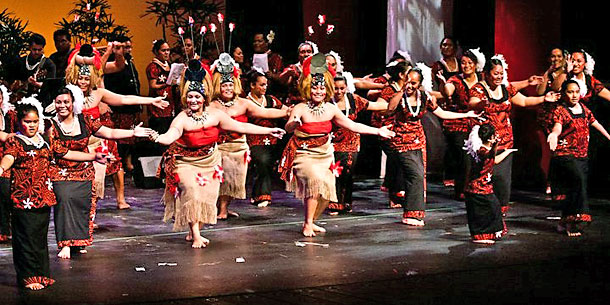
<point>84,71</point>
<point>29,154</point>
<point>569,142</point>
<point>582,72</point>
<point>482,206</point>
<point>347,143</point>
<point>496,99</point>
<point>193,162</point>
<point>456,90</point>
<point>408,147</point>
<point>307,164</point>
<point>73,181</point>
<point>157,73</point>
<point>263,148</point>
<point>233,146</point>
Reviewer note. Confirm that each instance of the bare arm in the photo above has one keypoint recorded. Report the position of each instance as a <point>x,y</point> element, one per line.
<point>553,136</point>
<point>379,105</point>
<point>4,136</point>
<point>263,113</point>
<point>499,158</point>
<point>115,134</point>
<point>541,88</point>
<point>295,119</point>
<point>448,89</point>
<point>227,123</point>
<point>523,101</point>
<point>78,156</point>
<point>6,163</point>
<point>119,60</point>
<point>366,84</point>
<point>605,94</point>
<point>342,121</point>
<point>601,129</point>
<point>114,99</point>
<point>173,133</point>
<point>450,115</point>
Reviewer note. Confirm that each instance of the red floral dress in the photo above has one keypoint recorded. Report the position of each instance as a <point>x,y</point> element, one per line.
<point>497,112</point>
<point>270,101</point>
<point>346,140</point>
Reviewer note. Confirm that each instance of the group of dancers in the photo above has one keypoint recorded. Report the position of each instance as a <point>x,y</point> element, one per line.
<point>206,161</point>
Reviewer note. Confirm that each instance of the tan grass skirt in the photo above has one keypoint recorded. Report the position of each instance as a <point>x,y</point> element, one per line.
<point>235,167</point>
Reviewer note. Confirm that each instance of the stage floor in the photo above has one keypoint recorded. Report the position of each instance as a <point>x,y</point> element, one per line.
<point>366,257</point>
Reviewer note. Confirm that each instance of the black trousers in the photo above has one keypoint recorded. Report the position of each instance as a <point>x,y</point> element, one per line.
<point>5,207</point>
<point>501,180</point>
<point>345,182</point>
<point>393,179</point>
<point>263,160</point>
<point>30,251</point>
<point>457,162</point>
<point>484,215</point>
<point>411,164</point>
<point>570,178</point>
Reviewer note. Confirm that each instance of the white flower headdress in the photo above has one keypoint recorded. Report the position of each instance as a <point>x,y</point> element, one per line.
<point>337,59</point>
<point>500,57</point>
<point>480,58</point>
<point>427,76</point>
<point>474,143</point>
<point>79,98</point>
<point>6,105</point>
<point>32,100</point>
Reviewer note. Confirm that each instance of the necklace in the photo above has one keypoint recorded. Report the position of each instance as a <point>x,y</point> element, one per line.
<point>417,107</point>
<point>227,104</point>
<point>30,142</point>
<point>164,65</point>
<point>315,109</point>
<point>88,102</point>
<point>262,104</point>
<point>63,130</point>
<point>30,67</point>
<point>198,119</point>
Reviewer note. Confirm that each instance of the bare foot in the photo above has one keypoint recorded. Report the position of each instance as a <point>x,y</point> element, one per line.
<point>189,237</point>
<point>395,205</point>
<point>82,251</point>
<point>317,228</point>
<point>263,204</point>
<point>34,286</point>
<point>574,234</point>
<point>308,230</point>
<point>225,216</point>
<point>484,241</point>
<point>64,253</point>
<point>122,205</point>
<point>413,222</point>
<point>200,242</point>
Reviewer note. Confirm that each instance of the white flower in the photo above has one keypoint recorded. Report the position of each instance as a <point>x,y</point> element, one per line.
<point>162,78</point>
<point>201,180</point>
<point>31,153</point>
<point>488,178</point>
<point>304,146</point>
<point>332,135</point>
<point>283,161</point>
<point>563,142</point>
<point>416,141</point>
<point>49,184</point>
<point>63,172</point>
<point>28,204</point>
<point>266,141</point>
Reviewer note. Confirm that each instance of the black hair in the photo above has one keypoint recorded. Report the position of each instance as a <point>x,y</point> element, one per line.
<point>396,56</point>
<point>157,45</point>
<point>86,50</point>
<point>486,131</point>
<point>455,42</point>
<point>61,32</point>
<point>37,39</point>
<point>418,71</point>
<point>253,76</point>
<point>490,64</point>
<point>61,91</point>
<point>260,32</point>
<point>471,55</point>
<point>233,48</point>
<point>23,109</point>
<point>565,84</point>
<point>395,70</point>
<point>340,77</point>
<point>581,51</point>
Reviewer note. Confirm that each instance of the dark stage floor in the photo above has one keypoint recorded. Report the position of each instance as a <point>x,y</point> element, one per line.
<point>367,257</point>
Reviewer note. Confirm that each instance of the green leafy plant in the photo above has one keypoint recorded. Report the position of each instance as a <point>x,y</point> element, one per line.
<point>13,39</point>
<point>91,22</point>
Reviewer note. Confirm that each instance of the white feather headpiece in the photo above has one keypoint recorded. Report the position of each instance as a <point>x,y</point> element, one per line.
<point>590,64</point>
<point>337,59</point>
<point>314,46</point>
<point>474,143</point>
<point>480,58</point>
<point>427,76</point>
<point>500,57</point>
<point>404,54</point>
<point>6,105</point>
<point>79,98</point>
<point>32,100</point>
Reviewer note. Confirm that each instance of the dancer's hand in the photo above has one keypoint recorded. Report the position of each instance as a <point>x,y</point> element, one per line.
<point>552,96</point>
<point>552,140</point>
<point>142,132</point>
<point>535,80</point>
<point>385,132</point>
<point>441,78</point>
<point>103,158</point>
<point>153,136</point>
<point>472,114</point>
<point>277,132</point>
<point>159,102</point>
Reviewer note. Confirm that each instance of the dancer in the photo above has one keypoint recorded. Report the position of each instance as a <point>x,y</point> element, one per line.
<point>157,73</point>
<point>347,143</point>
<point>193,163</point>
<point>263,148</point>
<point>408,147</point>
<point>73,181</point>
<point>456,90</point>
<point>582,65</point>
<point>29,154</point>
<point>495,97</point>
<point>569,142</point>
<point>292,74</point>
<point>84,71</point>
<point>8,118</point>
<point>233,146</point>
<point>482,206</point>
<point>307,164</point>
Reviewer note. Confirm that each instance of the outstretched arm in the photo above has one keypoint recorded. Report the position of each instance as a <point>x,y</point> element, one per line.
<point>601,129</point>
<point>341,120</point>
<point>264,113</point>
<point>115,134</point>
<point>173,133</point>
<point>499,158</point>
<point>450,115</point>
<point>553,136</point>
<point>114,99</point>
<point>227,123</point>
<point>523,101</point>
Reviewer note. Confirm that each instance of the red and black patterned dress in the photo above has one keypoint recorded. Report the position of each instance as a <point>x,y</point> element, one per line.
<point>408,148</point>
<point>593,87</point>
<point>440,66</point>
<point>32,196</point>
<point>294,96</point>
<point>482,207</point>
<point>264,152</point>
<point>497,113</point>
<point>160,75</point>
<point>347,145</point>
<point>8,126</point>
<point>570,164</point>
<point>73,186</point>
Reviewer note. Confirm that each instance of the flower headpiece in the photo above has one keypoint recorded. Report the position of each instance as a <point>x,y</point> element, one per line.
<point>337,59</point>
<point>426,73</point>
<point>79,98</point>
<point>590,64</point>
<point>474,143</point>
<point>500,57</point>
<point>404,54</point>
<point>270,37</point>
<point>480,58</point>
<point>6,105</point>
<point>313,45</point>
<point>32,100</point>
